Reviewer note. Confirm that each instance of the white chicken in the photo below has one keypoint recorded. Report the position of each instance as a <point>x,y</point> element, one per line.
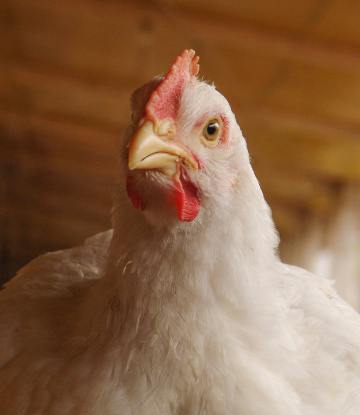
<point>184,308</point>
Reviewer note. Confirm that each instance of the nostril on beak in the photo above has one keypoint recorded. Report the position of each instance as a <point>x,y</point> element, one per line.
<point>165,128</point>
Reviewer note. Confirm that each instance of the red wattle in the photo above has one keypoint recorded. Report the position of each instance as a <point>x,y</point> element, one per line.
<point>185,196</point>
<point>187,201</point>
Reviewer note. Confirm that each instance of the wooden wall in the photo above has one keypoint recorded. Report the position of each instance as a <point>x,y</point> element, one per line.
<point>290,69</point>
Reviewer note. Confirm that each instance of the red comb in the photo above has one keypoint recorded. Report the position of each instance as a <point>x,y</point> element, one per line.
<point>164,101</point>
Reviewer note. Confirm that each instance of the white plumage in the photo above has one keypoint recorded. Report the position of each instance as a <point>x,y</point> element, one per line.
<point>184,308</point>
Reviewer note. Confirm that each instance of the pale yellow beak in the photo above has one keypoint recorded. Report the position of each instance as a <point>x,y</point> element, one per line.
<point>151,148</point>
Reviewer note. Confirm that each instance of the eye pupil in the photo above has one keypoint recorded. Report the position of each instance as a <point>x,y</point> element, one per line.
<point>212,128</point>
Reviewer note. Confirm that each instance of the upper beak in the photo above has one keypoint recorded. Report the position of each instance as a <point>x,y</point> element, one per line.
<point>150,148</point>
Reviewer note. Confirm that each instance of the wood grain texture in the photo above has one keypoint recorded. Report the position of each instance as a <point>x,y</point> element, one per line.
<point>291,71</point>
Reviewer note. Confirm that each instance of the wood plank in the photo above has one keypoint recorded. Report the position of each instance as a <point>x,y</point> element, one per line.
<point>55,96</point>
<point>271,43</point>
<point>35,165</point>
<point>340,23</point>
<point>41,229</point>
<point>309,90</point>
<point>34,146</point>
<point>297,191</point>
<point>94,38</point>
<point>86,204</point>
<point>282,14</point>
<point>89,27</point>
<point>294,142</point>
<point>41,135</point>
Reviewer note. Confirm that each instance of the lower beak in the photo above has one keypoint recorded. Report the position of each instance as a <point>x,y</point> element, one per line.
<point>150,150</point>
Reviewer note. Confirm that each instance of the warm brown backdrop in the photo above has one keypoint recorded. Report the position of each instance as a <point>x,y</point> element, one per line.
<point>290,69</point>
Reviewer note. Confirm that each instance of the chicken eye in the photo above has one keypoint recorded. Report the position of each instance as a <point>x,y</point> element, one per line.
<point>211,131</point>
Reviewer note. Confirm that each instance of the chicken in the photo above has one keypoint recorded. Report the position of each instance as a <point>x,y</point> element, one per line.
<point>184,308</point>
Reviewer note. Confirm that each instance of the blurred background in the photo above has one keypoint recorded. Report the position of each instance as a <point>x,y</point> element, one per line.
<point>290,69</point>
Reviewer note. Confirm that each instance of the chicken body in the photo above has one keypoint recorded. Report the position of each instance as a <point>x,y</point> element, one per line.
<point>184,308</point>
